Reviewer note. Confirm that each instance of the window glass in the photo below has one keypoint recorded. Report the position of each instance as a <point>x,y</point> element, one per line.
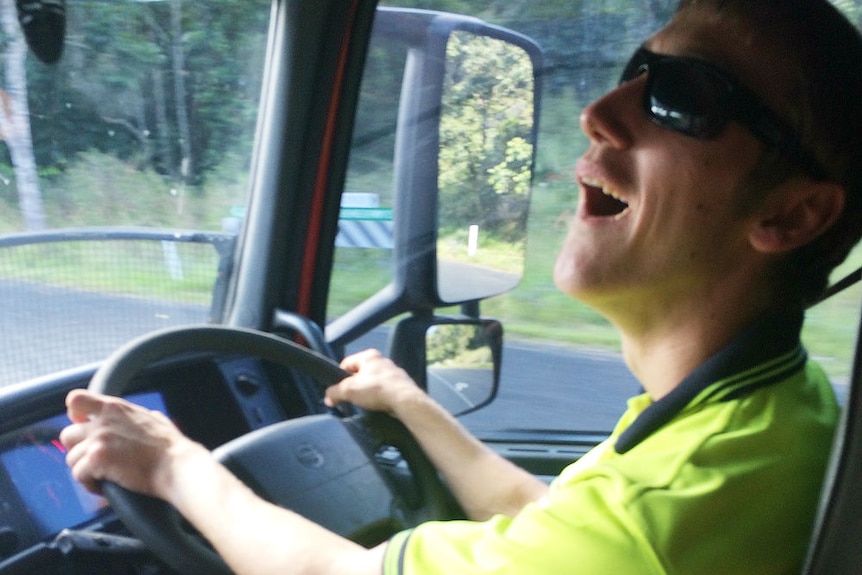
<point>562,366</point>
<point>363,246</point>
<point>123,173</point>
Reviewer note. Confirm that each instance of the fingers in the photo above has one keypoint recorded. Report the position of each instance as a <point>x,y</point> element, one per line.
<point>77,458</point>
<point>82,407</point>
<point>80,410</point>
<point>344,390</point>
<point>338,393</point>
<point>112,439</point>
<point>85,445</point>
<point>353,363</point>
<point>72,435</point>
<point>377,383</point>
<point>354,389</point>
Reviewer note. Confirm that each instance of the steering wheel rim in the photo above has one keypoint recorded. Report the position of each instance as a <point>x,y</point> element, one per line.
<point>157,523</point>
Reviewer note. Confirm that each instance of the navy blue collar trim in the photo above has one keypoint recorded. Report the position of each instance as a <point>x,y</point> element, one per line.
<point>770,338</point>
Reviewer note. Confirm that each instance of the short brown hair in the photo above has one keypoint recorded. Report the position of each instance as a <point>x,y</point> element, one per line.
<point>826,50</point>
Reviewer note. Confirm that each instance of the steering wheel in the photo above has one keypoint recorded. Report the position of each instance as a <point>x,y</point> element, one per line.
<point>324,466</point>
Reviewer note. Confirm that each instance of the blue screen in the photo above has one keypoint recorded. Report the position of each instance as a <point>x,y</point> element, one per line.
<point>36,465</point>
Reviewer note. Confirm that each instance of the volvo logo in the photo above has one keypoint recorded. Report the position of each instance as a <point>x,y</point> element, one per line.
<point>309,456</point>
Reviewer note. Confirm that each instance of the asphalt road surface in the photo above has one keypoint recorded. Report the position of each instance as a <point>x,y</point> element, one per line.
<point>47,328</point>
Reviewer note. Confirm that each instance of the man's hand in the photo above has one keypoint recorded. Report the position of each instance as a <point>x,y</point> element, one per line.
<point>114,440</point>
<point>484,483</point>
<point>377,384</point>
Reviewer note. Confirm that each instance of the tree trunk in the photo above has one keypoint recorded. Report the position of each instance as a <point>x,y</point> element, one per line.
<point>165,154</point>
<point>15,120</point>
<point>178,58</point>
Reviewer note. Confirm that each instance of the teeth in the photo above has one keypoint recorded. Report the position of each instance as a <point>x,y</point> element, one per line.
<point>598,184</point>
<point>601,185</point>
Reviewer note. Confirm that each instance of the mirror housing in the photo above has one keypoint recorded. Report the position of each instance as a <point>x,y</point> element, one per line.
<point>455,359</point>
<point>464,156</point>
<point>44,27</point>
<point>458,220</point>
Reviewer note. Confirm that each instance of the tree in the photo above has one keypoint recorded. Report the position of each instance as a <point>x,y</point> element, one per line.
<point>15,119</point>
<point>178,60</point>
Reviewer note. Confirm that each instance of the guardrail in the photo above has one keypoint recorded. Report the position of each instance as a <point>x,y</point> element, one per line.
<point>223,243</point>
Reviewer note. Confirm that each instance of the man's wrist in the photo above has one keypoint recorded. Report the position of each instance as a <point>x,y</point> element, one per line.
<point>409,402</point>
<point>185,462</point>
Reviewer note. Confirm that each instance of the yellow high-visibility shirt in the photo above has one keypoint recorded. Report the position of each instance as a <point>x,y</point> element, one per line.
<point>722,476</point>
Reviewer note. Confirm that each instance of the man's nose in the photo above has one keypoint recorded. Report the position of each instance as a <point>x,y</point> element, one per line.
<point>614,118</point>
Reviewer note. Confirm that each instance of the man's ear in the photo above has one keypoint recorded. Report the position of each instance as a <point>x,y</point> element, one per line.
<point>795,213</point>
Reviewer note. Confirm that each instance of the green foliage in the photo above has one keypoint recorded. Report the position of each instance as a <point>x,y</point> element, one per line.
<point>454,343</point>
<point>101,188</point>
<point>116,88</point>
<point>373,146</point>
<point>512,175</point>
<point>485,133</point>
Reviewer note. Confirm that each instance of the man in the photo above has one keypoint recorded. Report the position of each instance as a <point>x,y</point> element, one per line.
<point>720,187</point>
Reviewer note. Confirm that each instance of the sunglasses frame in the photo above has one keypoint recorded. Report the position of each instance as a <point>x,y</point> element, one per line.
<point>733,102</point>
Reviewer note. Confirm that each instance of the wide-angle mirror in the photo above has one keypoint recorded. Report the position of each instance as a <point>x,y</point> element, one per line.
<point>455,359</point>
<point>461,368</point>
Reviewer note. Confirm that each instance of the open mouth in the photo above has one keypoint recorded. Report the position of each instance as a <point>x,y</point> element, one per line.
<point>602,202</point>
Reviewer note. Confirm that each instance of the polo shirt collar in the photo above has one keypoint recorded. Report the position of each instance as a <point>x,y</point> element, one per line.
<point>765,353</point>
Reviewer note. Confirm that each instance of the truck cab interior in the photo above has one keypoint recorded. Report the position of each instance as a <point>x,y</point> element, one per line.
<point>205,206</point>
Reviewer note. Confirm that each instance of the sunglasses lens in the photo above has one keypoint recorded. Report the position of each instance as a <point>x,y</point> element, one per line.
<point>686,97</point>
<point>695,98</point>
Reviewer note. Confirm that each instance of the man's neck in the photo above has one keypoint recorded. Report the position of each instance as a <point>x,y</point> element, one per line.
<point>662,352</point>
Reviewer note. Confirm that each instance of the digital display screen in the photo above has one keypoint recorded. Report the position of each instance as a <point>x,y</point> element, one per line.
<point>35,462</point>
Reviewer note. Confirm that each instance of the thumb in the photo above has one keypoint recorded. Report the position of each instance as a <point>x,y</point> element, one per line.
<point>82,405</point>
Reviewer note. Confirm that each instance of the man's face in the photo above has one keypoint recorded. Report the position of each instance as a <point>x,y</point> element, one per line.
<point>676,234</point>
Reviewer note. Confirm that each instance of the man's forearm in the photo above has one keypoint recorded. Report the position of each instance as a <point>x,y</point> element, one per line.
<point>484,483</point>
<point>256,537</point>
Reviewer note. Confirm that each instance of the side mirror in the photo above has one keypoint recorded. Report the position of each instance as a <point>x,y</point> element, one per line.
<point>456,360</point>
<point>44,27</point>
<point>464,155</point>
<point>462,162</point>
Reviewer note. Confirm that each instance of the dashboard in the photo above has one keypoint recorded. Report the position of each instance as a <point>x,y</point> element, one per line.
<point>211,398</point>
<point>38,496</point>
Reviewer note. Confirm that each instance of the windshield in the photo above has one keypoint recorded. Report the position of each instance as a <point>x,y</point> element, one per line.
<point>123,174</point>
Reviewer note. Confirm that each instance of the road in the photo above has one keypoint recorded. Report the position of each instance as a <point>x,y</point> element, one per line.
<point>47,328</point>
<point>542,386</point>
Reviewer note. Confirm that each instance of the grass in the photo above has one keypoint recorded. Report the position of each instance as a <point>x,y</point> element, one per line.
<point>490,252</point>
<point>129,268</point>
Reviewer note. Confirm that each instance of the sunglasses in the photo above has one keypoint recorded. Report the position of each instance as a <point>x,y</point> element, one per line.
<point>698,99</point>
